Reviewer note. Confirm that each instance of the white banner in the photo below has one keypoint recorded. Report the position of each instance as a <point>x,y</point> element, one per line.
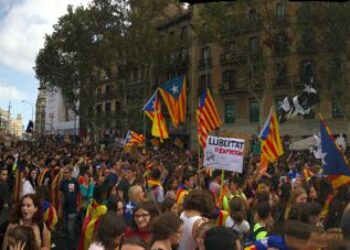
<point>224,153</point>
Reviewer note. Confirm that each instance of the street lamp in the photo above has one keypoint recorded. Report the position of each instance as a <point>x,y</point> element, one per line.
<point>31,104</point>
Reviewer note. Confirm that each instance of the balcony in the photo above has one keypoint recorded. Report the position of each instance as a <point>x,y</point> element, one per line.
<point>307,47</point>
<point>241,24</point>
<point>205,62</point>
<point>233,57</point>
<point>179,63</point>
<point>240,86</point>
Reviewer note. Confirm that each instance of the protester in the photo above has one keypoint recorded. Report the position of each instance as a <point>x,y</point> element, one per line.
<point>134,244</point>
<point>110,232</point>
<point>169,204</point>
<point>221,238</point>
<point>167,231</point>
<point>28,213</point>
<point>143,215</point>
<point>22,238</point>
<point>237,219</point>
<point>197,206</point>
<point>30,184</point>
<point>68,205</point>
<point>115,204</point>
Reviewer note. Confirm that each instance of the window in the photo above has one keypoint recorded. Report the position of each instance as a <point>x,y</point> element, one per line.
<point>204,83</point>
<point>253,45</point>
<point>117,107</point>
<point>336,111</point>
<point>308,39</point>
<point>281,43</point>
<point>253,16</point>
<point>108,90</point>
<point>280,11</point>
<point>281,73</point>
<point>184,54</point>
<point>253,71</point>
<point>229,79</point>
<point>172,56</point>
<point>230,111</point>
<point>205,55</point>
<point>99,109</point>
<point>307,71</point>
<point>334,70</point>
<point>229,47</point>
<point>253,110</point>
<point>107,107</point>
<point>183,33</point>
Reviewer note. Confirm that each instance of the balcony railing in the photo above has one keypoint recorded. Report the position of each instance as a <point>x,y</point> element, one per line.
<point>307,48</point>
<point>233,57</point>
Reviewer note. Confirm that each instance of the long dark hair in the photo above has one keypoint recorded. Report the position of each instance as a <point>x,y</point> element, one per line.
<point>17,213</point>
<point>29,177</point>
<point>110,227</point>
<point>165,225</point>
<point>201,201</point>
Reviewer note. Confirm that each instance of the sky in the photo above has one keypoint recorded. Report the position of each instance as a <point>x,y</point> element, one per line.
<point>23,25</point>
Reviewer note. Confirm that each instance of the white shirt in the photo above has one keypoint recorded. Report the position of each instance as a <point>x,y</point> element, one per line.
<point>27,188</point>
<point>187,242</point>
<point>241,228</point>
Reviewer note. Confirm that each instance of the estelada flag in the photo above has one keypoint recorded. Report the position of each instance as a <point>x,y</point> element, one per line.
<point>334,163</point>
<point>93,215</point>
<point>174,96</point>
<point>271,145</point>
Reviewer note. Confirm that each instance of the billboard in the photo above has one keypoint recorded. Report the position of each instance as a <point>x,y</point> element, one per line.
<point>59,118</point>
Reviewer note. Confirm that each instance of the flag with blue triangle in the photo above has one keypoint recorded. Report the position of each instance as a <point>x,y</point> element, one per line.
<point>333,159</point>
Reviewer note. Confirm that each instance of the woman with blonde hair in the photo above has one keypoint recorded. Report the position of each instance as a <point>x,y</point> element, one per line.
<point>298,196</point>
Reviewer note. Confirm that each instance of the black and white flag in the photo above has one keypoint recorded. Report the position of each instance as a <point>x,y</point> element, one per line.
<point>298,105</point>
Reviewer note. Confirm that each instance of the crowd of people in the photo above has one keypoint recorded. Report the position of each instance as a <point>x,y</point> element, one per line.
<point>104,198</point>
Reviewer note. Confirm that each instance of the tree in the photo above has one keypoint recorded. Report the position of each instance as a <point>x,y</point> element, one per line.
<point>102,42</point>
<point>330,24</point>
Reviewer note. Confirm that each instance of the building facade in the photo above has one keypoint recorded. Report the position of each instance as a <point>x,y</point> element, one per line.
<point>4,120</point>
<point>265,54</point>
<point>16,126</point>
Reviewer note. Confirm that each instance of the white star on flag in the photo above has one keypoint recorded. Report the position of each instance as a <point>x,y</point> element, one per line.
<point>174,89</point>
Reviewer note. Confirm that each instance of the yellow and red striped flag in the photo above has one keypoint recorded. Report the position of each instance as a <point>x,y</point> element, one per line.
<point>208,117</point>
<point>174,96</point>
<point>271,145</point>
<point>334,162</point>
<point>133,138</point>
<point>93,215</point>
<point>49,215</point>
<point>153,111</point>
